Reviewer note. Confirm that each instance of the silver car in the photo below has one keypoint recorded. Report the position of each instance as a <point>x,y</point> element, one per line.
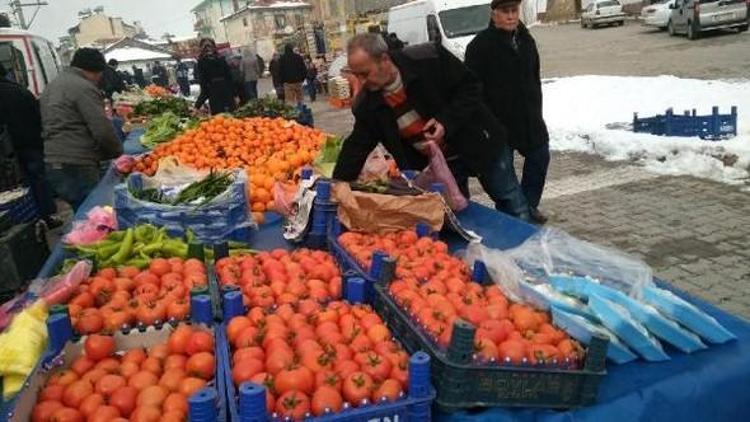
<point>691,17</point>
<point>602,12</point>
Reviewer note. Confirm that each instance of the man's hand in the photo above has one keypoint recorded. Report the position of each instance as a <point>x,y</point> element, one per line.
<point>434,131</point>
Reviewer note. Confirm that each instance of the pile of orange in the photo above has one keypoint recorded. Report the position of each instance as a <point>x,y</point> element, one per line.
<point>270,150</point>
<point>156,91</point>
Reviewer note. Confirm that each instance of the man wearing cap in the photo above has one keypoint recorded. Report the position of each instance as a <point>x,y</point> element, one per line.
<point>424,93</point>
<point>77,133</point>
<point>505,58</point>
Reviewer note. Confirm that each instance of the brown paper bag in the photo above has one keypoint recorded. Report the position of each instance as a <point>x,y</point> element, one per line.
<point>378,213</point>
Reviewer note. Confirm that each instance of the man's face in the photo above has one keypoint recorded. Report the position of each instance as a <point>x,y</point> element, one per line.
<point>374,73</point>
<point>506,17</point>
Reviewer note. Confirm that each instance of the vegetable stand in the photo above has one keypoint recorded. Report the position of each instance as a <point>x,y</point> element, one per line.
<point>707,385</point>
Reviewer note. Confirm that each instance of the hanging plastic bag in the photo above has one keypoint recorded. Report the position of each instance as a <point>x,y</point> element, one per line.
<point>502,270</point>
<point>284,195</point>
<point>439,172</point>
<point>377,167</point>
<point>554,252</point>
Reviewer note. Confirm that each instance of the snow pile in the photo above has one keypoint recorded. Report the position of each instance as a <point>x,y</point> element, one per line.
<point>578,111</point>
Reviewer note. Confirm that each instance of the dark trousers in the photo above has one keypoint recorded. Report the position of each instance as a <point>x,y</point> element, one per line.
<point>184,86</point>
<point>31,162</point>
<point>535,166</point>
<point>499,182</point>
<point>312,89</point>
<point>251,90</point>
<point>280,92</point>
<point>73,182</point>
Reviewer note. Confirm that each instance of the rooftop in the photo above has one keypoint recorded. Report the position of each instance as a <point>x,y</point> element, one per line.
<point>268,5</point>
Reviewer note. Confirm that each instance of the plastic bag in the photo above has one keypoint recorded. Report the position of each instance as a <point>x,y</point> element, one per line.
<point>284,195</point>
<point>100,222</point>
<point>688,315</point>
<point>377,167</point>
<point>59,289</point>
<point>582,330</point>
<point>544,297</point>
<point>502,270</point>
<point>619,321</point>
<point>439,172</point>
<point>552,251</point>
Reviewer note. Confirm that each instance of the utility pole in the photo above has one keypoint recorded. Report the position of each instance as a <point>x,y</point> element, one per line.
<point>17,8</point>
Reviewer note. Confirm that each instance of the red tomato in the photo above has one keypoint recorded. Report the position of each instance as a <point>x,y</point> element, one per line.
<point>81,365</point>
<point>200,341</point>
<point>76,392</point>
<point>377,367</point>
<point>293,404</point>
<point>245,369</point>
<point>175,401</point>
<point>171,379</point>
<point>390,389</point>
<point>175,362</point>
<point>108,384</point>
<point>356,387</point>
<point>299,378</point>
<point>143,379</point>
<point>134,355</point>
<point>104,414</point>
<point>160,266</point>
<point>52,392</point>
<point>43,410</point>
<point>124,399</point>
<point>179,338</point>
<point>145,414</point>
<point>98,347</point>
<point>90,404</point>
<point>326,399</point>
<point>152,396</point>
<point>201,365</point>
<point>67,414</point>
<point>191,385</point>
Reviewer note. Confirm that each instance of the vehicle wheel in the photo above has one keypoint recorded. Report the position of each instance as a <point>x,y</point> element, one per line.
<point>670,28</point>
<point>692,32</point>
<point>583,23</point>
<point>744,27</point>
<point>621,23</point>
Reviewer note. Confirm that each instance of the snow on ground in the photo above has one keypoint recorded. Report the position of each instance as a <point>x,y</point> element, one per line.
<point>579,109</point>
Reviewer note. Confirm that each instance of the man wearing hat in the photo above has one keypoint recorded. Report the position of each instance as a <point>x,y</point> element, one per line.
<point>77,133</point>
<point>505,58</point>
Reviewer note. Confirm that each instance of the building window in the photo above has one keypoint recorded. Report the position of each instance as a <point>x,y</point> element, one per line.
<point>244,21</point>
<point>299,20</point>
<point>280,21</point>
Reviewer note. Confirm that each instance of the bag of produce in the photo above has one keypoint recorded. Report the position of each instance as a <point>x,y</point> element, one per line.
<point>439,172</point>
<point>583,329</point>
<point>99,222</point>
<point>619,321</point>
<point>687,314</point>
<point>543,296</point>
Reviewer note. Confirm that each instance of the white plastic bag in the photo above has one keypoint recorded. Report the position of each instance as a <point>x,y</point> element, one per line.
<point>551,251</point>
<point>502,270</point>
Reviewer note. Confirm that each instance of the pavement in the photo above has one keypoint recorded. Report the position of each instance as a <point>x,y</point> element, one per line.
<point>694,233</point>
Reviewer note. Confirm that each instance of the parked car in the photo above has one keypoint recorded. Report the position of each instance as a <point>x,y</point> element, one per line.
<point>657,14</point>
<point>31,60</point>
<point>603,12</point>
<point>692,17</point>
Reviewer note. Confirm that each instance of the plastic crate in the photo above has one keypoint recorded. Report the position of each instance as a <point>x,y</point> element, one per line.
<point>22,209</point>
<point>712,127</point>
<point>249,403</point>
<point>207,405</point>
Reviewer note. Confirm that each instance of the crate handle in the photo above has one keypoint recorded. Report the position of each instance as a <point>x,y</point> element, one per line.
<point>202,405</point>
<point>253,403</point>
<point>461,348</point>
<point>200,309</point>
<point>232,304</point>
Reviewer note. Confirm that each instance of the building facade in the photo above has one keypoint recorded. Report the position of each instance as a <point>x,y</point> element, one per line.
<point>208,18</point>
<point>97,28</point>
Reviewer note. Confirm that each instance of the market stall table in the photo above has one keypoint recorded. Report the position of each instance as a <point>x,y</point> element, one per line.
<point>707,385</point>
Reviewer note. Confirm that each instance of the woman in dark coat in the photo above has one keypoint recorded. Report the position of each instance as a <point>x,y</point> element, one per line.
<point>215,79</point>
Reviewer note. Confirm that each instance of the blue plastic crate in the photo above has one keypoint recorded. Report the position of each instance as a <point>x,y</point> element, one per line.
<point>415,407</point>
<point>22,209</point>
<point>712,127</point>
<point>58,354</point>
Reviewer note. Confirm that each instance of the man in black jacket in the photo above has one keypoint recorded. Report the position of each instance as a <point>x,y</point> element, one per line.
<point>423,93</point>
<point>293,72</point>
<point>20,116</point>
<point>111,80</point>
<point>505,58</point>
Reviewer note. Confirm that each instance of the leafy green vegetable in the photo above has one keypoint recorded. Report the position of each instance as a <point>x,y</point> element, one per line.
<point>158,106</point>
<point>267,107</point>
<point>162,129</point>
<point>329,154</point>
<point>206,189</point>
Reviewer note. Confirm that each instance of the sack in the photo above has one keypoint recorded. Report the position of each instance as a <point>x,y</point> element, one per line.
<point>439,172</point>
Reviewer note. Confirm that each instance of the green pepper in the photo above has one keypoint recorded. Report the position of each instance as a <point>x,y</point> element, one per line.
<point>139,263</point>
<point>106,252</point>
<point>175,248</point>
<point>152,248</point>
<point>126,248</point>
<point>117,236</point>
<point>145,233</point>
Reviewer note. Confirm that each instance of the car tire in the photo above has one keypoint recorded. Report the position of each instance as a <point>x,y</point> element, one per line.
<point>692,33</point>
<point>670,28</point>
<point>744,28</point>
<point>621,23</point>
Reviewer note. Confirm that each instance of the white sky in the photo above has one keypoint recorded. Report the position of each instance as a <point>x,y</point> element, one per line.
<point>156,16</point>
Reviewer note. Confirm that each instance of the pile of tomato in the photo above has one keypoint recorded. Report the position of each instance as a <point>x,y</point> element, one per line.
<point>113,299</point>
<point>436,289</point>
<point>138,385</point>
<point>313,358</point>
<point>282,277</point>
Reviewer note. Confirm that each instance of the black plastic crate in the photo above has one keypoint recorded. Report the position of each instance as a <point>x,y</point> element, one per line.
<point>23,251</point>
<point>460,384</point>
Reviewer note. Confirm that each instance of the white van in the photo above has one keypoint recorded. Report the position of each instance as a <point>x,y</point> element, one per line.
<point>453,23</point>
<point>31,60</point>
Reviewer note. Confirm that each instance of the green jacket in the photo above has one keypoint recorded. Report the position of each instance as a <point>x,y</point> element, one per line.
<point>75,128</point>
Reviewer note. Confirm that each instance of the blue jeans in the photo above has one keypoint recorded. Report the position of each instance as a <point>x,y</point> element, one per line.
<point>73,182</point>
<point>32,167</point>
<point>312,90</point>
<point>535,166</point>
<point>500,183</point>
<point>251,90</point>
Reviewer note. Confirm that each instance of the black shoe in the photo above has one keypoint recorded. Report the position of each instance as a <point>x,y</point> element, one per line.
<point>537,217</point>
<point>53,222</point>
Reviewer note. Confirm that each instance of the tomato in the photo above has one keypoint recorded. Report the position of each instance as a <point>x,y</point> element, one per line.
<point>145,414</point>
<point>173,416</point>
<point>390,389</point>
<point>98,347</point>
<point>278,360</point>
<point>52,392</point>
<point>179,338</point>
<point>83,299</point>
<point>127,369</point>
<point>378,333</point>
<point>201,365</point>
<point>124,399</point>
<point>146,278</point>
<point>153,395</point>
<point>109,273</point>
<point>175,362</point>
<point>116,321</point>
<point>191,385</point>
<point>245,369</point>
<point>159,351</point>
<point>151,313</point>
<point>108,384</point>
<point>326,399</point>
<point>67,414</point>
<point>108,365</point>
<point>124,283</point>
<point>293,404</point>
<point>160,267</point>
<point>178,310</point>
<point>329,379</point>
<point>400,374</point>
<point>175,401</point>
<point>248,337</point>
<point>236,325</point>
<point>89,321</point>
<point>298,378</point>
<point>104,414</point>
<point>485,349</point>
<point>152,365</point>
<point>76,392</point>
<point>357,387</point>
<point>345,367</point>
<point>248,353</point>
<point>542,353</point>
<point>143,379</point>
<point>94,375</point>
<point>43,410</point>
<point>134,355</point>
<point>376,367</point>
<point>514,350</point>
<point>318,360</point>
<point>200,341</point>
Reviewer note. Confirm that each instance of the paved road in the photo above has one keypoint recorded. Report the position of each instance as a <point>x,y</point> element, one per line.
<point>635,50</point>
<point>693,232</point>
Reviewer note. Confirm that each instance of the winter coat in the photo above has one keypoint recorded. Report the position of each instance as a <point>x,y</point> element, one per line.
<point>512,84</point>
<point>292,68</point>
<point>19,113</point>
<point>215,79</point>
<point>437,86</point>
<point>111,82</point>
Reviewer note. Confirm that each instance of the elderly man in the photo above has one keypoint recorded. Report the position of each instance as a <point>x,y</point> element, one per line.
<point>423,93</point>
<point>505,58</point>
<point>77,134</point>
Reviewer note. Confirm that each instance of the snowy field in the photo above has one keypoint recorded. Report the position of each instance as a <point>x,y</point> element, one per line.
<point>578,111</point>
